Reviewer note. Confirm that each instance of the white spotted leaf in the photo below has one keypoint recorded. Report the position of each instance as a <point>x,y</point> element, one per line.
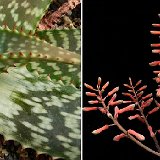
<point>25,13</point>
<point>40,114</point>
<point>69,39</point>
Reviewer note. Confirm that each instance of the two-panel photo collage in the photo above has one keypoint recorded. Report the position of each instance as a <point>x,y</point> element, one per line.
<point>79,80</point>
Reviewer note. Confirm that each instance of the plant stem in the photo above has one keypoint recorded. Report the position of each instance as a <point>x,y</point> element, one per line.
<point>125,131</point>
<point>145,120</point>
<point>132,138</point>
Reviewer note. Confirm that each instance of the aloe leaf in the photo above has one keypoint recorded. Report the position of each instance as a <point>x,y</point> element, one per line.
<point>25,13</point>
<point>68,73</point>
<point>14,41</point>
<point>55,70</point>
<point>40,114</point>
<point>69,39</point>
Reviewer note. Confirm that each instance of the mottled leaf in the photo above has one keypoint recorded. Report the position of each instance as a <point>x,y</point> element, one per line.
<point>26,13</point>
<point>40,114</point>
<point>69,39</point>
<point>13,41</point>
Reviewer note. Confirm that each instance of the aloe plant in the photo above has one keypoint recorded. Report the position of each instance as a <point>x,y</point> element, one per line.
<point>39,81</point>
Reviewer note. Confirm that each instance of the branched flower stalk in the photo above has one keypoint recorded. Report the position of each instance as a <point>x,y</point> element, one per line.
<point>137,102</point>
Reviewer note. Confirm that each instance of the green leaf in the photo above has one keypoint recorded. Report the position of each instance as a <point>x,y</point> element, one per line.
<point>69,39</point>
<point>40,114</point>
<point>26,13</point>
<point>13,41</point>
<point>68,73</point>
<point>45,58</point>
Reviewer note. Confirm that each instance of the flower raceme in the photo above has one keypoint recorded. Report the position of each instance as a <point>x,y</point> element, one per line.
<point>135,101</point>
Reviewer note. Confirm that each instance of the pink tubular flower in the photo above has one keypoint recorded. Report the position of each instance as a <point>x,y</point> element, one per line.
<point>115,103</point>
<point>91,94</point>
<point>156,51</point>
<point>90,108</point>
<point>105,86</point>
<point>133,117</point>
<point>118,137</point>
<point>128,86</point>
<point>146,103</point>
<point>116,110</point>
<point>103,111</point>
<point>126,109</point>
<point>137,135</point>
<point>99,81</point>
<point>156,25</point>
<point>113,91</point>
<point>129,95</point>
<point>153,110</point>
<point>154,63</point>
<point>158,92</point>
<point>156,72</point>
<point>142,88</point>
<point>138,83</point>
<point>99,130</point>
<point>157,79</point>
<point>93,102</point>
<point>136,116</point>
<point>147,96</point>
<point>127,101</point>
<point>113,98</point>
<point>155,32</point>
<point>140,94</point>
<point>88,86</point>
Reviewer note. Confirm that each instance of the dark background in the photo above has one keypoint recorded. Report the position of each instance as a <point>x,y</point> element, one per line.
<point>116,45</point>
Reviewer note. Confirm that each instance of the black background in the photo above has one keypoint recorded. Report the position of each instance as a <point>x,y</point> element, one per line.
<point>116,45</point>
